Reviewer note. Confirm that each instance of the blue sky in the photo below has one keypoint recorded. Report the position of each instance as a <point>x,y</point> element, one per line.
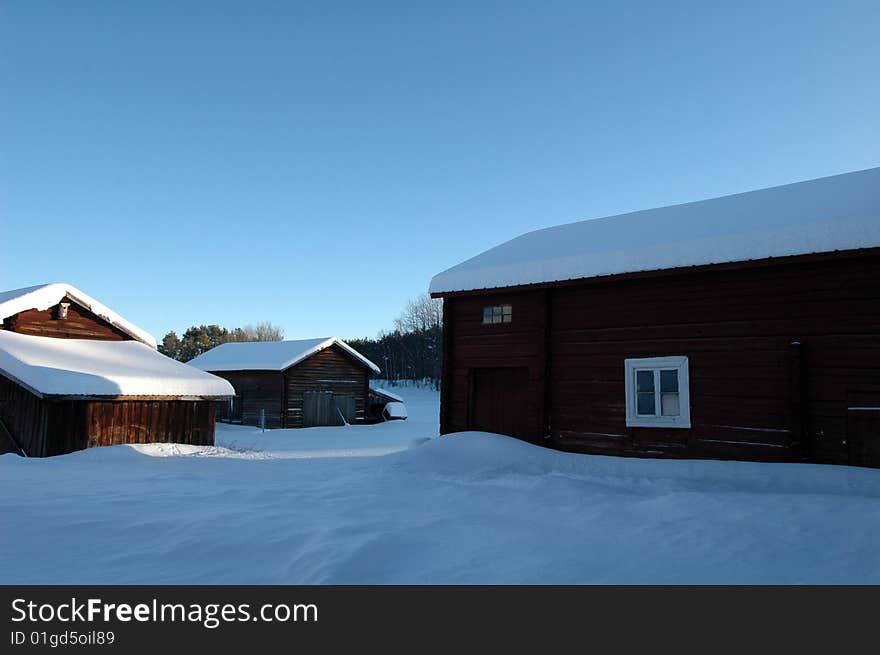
<point>314,164</point>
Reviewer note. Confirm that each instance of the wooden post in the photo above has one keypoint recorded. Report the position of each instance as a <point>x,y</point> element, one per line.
<point>446,372</point>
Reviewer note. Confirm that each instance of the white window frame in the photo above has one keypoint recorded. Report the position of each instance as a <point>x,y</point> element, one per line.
<point>678,363</point>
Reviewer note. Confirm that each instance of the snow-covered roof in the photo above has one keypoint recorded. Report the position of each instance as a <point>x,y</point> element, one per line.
<point>85,367</point>
<point>841,212</point>
<point>395,409</point>
<point>269,355</point>
<point>387,394</point>
<point>44,296</point>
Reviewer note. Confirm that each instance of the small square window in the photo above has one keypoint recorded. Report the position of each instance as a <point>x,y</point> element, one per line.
<point>497,314</point>
<point>657,393</point>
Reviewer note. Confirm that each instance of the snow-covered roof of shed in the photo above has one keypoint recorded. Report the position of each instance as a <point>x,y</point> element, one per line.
<point>44,296</point>
<point>269,355</point>
<point>86,367</point>
<point>387,394</point>
<point>841,212</point>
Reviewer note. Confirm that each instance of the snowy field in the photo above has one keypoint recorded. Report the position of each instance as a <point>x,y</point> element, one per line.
<point>387,504</point>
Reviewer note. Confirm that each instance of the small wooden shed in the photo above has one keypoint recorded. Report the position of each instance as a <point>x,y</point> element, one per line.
<point>61,395</point>
<point>292,384</point>
<point>76,374</point>
<point>742,327</point>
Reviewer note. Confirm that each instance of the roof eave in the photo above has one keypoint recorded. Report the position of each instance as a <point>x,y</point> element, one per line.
<point>662,272</point>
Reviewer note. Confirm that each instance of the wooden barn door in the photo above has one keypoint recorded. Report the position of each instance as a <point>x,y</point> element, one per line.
<point>326,408</point>
<point>863,427</point>
<point>347,407</point>
<point>498,400</point>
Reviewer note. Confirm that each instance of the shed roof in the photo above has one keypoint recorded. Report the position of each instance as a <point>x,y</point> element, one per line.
<point>86,367</point>
<point>841,212</point>
<point>44,296</point>
<point>270,355</point>
<point>387,394</point>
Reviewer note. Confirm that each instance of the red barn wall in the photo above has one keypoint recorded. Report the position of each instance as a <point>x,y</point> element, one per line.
<point>754,395</point>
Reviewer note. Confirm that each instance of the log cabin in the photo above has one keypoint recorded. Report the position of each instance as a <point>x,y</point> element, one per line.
<point>743,327</point>
<point>292,384</point>
<point>74,375</point>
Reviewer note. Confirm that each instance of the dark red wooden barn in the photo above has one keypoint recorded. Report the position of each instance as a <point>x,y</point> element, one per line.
<point>74,374</point>
<point>743,327</point>
<point>292,384</point>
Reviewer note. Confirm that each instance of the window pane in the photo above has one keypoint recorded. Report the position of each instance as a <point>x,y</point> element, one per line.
<point>645,381</point>
<point>507,311</point>
<point>487,314</point>
<point>645,404</point>
<point>669,404</point>
<point>668,381</point>
<point>496,311</point>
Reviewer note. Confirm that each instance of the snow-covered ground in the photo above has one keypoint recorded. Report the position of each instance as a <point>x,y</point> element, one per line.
<point>308,507</point>
<point>357,440</point>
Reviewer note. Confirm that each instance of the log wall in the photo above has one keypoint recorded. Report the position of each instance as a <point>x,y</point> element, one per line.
<point>775,352</point>
<point>331,369</point>
<point>79,324</point>
<point>256,391</point>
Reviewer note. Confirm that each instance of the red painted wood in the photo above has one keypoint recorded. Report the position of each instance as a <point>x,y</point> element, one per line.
<point>751,398</point>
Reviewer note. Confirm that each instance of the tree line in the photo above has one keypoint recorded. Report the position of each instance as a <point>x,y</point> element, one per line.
<point>411,350</point>
<point>201,338</point>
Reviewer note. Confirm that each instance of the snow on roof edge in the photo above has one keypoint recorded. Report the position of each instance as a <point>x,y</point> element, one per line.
<point>388,394</point>
<point>44,296</point>
<point>823,215</point>
<point>280,365</point>
<point>86,368</point>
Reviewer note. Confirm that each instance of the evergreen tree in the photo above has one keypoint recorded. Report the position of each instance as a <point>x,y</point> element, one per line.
<point>199,339</point>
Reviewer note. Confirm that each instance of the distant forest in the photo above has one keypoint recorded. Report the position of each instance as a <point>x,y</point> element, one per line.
<point>412,350</point>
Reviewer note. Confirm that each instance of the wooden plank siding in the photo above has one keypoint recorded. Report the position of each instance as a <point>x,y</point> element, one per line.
<point>257,391</point>
<point>79,324</point>
<point>24,416</point>
<point>46,426</point>
<point>280,393</point>
<point>331,369</point>
<point>131,421</point>
<point>774,350</point>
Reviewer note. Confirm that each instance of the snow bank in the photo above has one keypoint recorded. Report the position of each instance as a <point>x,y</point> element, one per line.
<point>471,508</point>
<point>44,296</point>
<point>841,212</point>
<point>485,455</point>
<point>269,355</point>
<point>82,367</point>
